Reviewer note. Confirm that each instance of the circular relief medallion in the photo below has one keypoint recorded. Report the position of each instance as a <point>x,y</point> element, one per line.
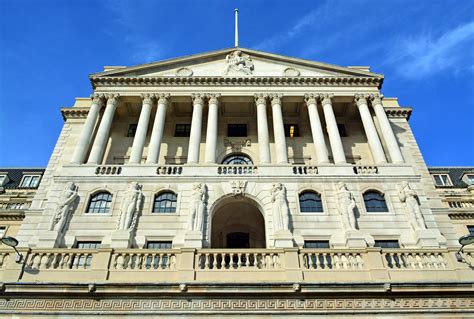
<point>291,72</point>
<point>184,72</point>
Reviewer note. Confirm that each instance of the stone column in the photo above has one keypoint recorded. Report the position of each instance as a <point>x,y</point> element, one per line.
<point>370,131</point>
<point>157,131</point>
<point>212,128</point>
<point>142,128</point>
<point>262,128</point>
<point>102,136</point>
<point>279,129</point>
<point>333,131</point>
<point>85,138</point>
<point>196,125</point>
<point>387,132</point>
<point>316,129</point>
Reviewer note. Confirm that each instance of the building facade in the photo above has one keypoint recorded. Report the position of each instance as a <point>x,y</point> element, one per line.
<point>238,182</point>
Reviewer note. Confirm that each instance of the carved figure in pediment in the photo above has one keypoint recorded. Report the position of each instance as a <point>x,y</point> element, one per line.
<point>238,61</point>
<point>412,206</point>
<point>130,208</point>
<point>66,206</point>
<point>238,187</point>
<point>198,207</point>
<point>347,204</point>
<point>281,216</point>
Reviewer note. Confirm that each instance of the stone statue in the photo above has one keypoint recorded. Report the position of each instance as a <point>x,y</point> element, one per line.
<point>281,217</point>
<point>65,207</point>
<point>346,203</point>
<point>198,207</point>
<point>130,207</point>
<point>238,61</point>
<point>412,206</point>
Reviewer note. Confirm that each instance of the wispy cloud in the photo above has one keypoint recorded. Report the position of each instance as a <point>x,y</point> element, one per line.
<point>426,54</point>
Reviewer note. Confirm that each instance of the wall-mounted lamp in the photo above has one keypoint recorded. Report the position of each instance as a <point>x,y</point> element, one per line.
<point>13,242</point>
<point>464,241</point>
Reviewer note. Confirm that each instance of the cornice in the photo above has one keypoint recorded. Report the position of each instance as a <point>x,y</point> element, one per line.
<point>461,216</point>
<point>74,112</point>
<point>232,81</point>
<point>12,215</point>
<point>399,112</point>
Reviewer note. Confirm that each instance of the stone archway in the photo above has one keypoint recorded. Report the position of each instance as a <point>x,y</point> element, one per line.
<point>237,223</point>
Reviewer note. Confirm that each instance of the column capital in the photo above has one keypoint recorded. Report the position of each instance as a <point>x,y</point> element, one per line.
<point>376,98</point>
<point>326,98</point>
<point>260,98</point>
<point>113,99</point>
<point>213,98</point>
<point>275,98</point>
<point>310,98</point>
<point>98,98</point>
<point>361,99</point>
<point>147,98</point>
<point>162,98</point>
<point>198,98</point>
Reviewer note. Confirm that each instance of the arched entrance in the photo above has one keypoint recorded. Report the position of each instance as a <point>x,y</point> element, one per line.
<point>237,223</point>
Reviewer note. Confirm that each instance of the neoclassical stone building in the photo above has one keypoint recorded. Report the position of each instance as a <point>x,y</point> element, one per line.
<point>237,182</point>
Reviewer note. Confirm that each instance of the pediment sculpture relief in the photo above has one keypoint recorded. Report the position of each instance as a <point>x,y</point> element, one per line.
<point>238,62</point>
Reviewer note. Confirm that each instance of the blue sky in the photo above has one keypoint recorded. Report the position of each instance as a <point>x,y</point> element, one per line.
<point>424,48</point>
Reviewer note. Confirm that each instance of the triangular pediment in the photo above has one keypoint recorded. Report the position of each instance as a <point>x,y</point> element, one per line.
<point>236,62</point>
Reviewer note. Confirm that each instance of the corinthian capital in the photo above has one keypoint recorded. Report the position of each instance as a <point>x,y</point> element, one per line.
<point>360,99</point>
<point>147,98</point>
<point>326,98</point>
<point>275,98</point>
<point>163,98</point>
<point>213,98</point>
<point>198,98</point>
<point>376,98</point>
<point>113,99</point>
<point>260,99</point>
<point>310,99</point>
<point>98,98</point>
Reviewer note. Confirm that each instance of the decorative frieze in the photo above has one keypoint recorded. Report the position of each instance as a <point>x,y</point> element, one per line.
<point>398,112</point>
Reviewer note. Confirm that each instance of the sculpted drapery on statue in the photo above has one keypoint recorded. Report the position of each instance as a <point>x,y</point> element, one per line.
<point>66,206</point>
<point>412,206</point>
<point>130,207</point>
<point>198,207</point>
<point>346,204</point>
<point>239,62</point>
<point>281,217</point>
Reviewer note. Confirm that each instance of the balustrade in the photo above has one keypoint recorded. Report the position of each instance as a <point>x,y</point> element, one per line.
<point>365,169</point>
<point>305,170</point>
<point>234,260</point>
<point>108,170</point>
<point>65,259</point>
<point>169,170</point>
<point>144,260</point>
<point>331,260</point>
<point>398,259</point>
<point>459,204</point>
<point>4,256</point>
<point>237,170</point>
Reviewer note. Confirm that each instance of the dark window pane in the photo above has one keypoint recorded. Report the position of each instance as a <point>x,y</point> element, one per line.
<point>182,130</point>
<point>237,130</point>
<point>132,129</point>
<point>158,245</point>
<point>471,230</point>
<point>375,202</point>
<point>100,203</point>
<point>342,130</point>
<point>316,244</point>
<point>88,244</point>
<point>310,202</point>
<point>289,128</point>
<point>237,159</point>
<point>165,203</point>
<point>387,244</point>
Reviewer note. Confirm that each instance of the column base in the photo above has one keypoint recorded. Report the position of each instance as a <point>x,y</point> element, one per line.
<point>351,239</point>
<point>283,239</point>
<point>120,239</point>
<point>49,239</point>
<point>424,238</point>
<point>193,239</point>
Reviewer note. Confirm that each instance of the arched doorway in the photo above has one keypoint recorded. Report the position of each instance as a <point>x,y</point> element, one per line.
<point>237,223</point>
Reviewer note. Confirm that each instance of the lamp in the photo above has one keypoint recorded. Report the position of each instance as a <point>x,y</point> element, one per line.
<point>13,242</point>
<point>464,241</point>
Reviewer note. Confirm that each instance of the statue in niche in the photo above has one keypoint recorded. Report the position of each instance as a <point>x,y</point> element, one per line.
<point>281,217</point>
<point>412,206</point>
<point>130,209</point>
<point>238,61</point>
<point>198,207</point>
<point>346,203</point>
<point>66,206</point>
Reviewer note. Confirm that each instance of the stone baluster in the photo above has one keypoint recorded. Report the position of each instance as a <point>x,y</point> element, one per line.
<point>333,131</point>
<point>279,129</point>
<point>102,136</point>
<point>212,128</point>
<point>157,130</point>
<point>316,129</point>
<point>262,128</point>
<point>83,144</point>
<point>387,131</point>
<point>142,128</point>
<point>369,127</point>
<point>196,125</point>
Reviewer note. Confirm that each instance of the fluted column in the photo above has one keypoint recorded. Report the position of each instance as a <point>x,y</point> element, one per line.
<point>369,127</point>
<point>262,128</point>
<point>279,129</point>
<point>316,129</point>
<point>212,128</point>
<point>196,125</point>
<point>387,131</point>
<point>85,138</point>
<point>142,128</point>
<point>157,131</point>
<point>102,136</point>
<point>333,132</point>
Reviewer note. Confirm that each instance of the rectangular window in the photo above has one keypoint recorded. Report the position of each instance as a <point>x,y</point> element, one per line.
<point>158,245</point>
<point>88,244</point>
<point>470,179</point>
<point>292,130</point>
<point>316,244</point>
<point>132,129</point>
<point>182,130</point>
<point>30,181</point>
<point>470,228</point>
<point>237,130</point>
<point>342,130</point>
<point>387,244</point>
<point>442,180</point>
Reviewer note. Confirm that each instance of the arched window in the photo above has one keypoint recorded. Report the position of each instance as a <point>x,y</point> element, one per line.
<point>310,202</point>
<point>100,203</point>
<point>375,202</point>
<point>237,159</point>
<point>165,202</point>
